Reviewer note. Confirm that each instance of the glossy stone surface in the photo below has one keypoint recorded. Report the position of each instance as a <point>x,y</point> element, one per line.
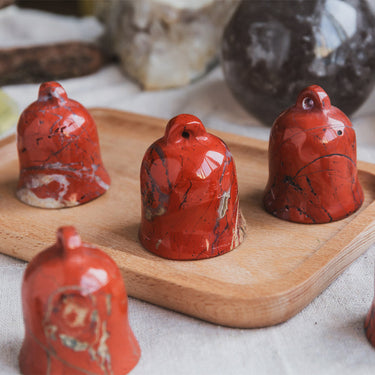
<point>75,312</point>
<point>190,206</point>
<point>312,162</point>
<point>273,49</point>
<point>59,154</point>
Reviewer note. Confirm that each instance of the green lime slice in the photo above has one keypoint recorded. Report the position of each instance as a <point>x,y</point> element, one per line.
<point>8,113</point>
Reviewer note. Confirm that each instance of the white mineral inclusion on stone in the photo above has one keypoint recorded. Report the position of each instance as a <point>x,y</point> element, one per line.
<point>101,183</point>
<point>223,206</point>
<point>26,195</point>
<point>238,233</point>
<point>103,350</point>
<point>72,343</point>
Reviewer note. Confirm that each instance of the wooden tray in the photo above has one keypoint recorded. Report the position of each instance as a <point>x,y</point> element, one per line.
<point>276,272</point>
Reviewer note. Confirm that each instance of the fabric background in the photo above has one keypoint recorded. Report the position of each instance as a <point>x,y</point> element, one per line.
<point>327,337</point>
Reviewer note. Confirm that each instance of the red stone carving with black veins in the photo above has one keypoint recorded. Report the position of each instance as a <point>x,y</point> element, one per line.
<point>190,205</point>
<point>75,311</point>
<point>312,162</point>
<point>59,155</point>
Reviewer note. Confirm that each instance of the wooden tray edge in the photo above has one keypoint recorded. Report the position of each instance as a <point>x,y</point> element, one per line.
<point>238,305</point>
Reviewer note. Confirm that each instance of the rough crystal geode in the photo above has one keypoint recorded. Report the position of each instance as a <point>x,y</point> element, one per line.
<point>273,49</point>
<point>165,43</point>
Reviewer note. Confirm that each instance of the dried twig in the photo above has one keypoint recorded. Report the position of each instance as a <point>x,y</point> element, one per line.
<point>5,3</point>
<point>49,62</point>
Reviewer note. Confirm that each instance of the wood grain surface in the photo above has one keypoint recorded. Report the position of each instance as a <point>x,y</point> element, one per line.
<point>277,271</point>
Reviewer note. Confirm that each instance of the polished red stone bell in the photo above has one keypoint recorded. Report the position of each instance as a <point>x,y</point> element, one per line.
<point>58,149</point>
<point>190,206</point>
<point>75,312</point>
<point>312,162</point>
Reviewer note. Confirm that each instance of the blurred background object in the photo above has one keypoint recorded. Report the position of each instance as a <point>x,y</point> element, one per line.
<point>273,49</point>
<point>270,49</point>
<point>49,62</point>
<point>8,114</point>
<point>5,3</point>
<point>165,43</point>
<point>159,43</point>
<point>29,54</point>
<point>62,7</point>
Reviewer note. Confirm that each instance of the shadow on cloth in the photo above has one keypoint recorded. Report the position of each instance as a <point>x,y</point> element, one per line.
<point>9,354</point>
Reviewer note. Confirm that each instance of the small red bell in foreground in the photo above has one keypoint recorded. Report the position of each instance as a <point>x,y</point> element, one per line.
<point>75,312</point>
<point>58,149</point>
<point>312,162</point>
<point>190,205</point>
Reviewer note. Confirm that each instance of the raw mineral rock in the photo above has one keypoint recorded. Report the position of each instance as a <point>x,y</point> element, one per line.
<point>165,43</point>
<point>273,49</point>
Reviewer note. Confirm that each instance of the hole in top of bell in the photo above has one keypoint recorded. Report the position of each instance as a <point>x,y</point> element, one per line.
<point>307,103</point>
<point>185,135</point>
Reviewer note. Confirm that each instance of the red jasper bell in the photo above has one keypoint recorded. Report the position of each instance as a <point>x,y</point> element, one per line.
<point>312,162</point>
<point>58,149</point>
<point>75,312</point>
<point>190,206</point>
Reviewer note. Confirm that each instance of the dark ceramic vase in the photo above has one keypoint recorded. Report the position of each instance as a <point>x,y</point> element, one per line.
<point>273,49</point>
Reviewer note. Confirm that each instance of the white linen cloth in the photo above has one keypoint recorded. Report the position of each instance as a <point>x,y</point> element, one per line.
<point>327,337</point>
